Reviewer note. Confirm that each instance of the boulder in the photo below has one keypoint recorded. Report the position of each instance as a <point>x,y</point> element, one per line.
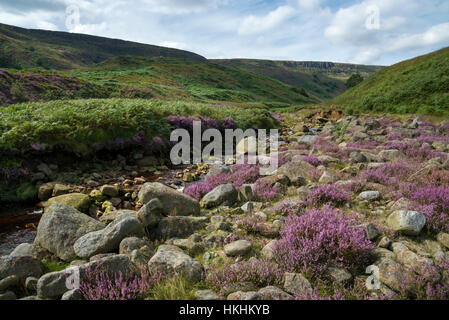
<point>297,172</point>
<point>109,238</point>
<point>296,283</point>
<point>174,202</point>
<point>390,154</point>
<point>151,213</point>
<point>45,191</point>
<point>390,273</point>
<point>170,260</point>
<point>20,266</point>
<point>225,194</point>
<point>206,295</point>
<point>241,295</point>
<point>237,248</point>
<point>59,228</point>
<point>179,227</point>
<point>218,168</point>
<point>109,191</point>
<point>247,145</point>
<point>406,222</point>
<point>78,201</point>
<point>307,139</point>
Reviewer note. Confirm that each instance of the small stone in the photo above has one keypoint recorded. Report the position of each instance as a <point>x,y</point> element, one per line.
<point>369,195</point>
<point>443,238</point>
<point>8,282</point>
<point>110,191</point>
<point>8,295</point>
<point>240,295</point>
<point>274,293</point>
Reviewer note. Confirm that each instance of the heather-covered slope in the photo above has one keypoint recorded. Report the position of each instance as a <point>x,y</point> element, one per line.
<point>419,85</point>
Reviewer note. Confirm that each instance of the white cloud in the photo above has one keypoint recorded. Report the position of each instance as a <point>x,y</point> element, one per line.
<point>436,35</point>
<point>174,44</point>
<point>309,4</point>
<point>92,29</point>
<point>253,24</point>
<point>181,6</point>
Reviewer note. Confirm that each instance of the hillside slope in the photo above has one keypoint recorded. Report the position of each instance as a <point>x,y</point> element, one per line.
<point>323,79</point>
<point>29,48</point>
<point>419,85</point>
<point>140,77</point>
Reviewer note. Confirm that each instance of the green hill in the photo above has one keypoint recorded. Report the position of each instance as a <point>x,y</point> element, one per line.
<point>28,48</point>
<point>419,85</point>
<point>140,77</point>
<point>324,80</point>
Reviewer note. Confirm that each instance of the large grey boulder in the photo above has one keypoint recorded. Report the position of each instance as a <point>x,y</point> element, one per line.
<point>151,213</point>
<point>174,202</point>
<point>59,228</point>
<point>52,285</point>
<point>237,248</point>
<point>170,260</point>
<point>297,172</point>
<point>406,222</point>
<point>226,195</point>
<point>20,266</point>
<point>218,168</point>
<point>109,238</point>
<point>307,139</point>
<point>78,201</point>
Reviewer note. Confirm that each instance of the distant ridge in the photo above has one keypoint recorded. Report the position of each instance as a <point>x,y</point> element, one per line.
<point>31,48</point>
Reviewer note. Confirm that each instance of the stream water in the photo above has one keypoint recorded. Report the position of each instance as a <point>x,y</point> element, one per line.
<point>18,223</point>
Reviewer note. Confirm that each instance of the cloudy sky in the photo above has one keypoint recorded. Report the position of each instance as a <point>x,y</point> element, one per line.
<point>357,31</point>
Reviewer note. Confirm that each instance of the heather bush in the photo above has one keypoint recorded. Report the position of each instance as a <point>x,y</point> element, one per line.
<point>327,194</point>
<point>250,224</point>
<point>433,202</point>
<point>265,192</point>
<point>431,282</point>
<point>312,159</point>
<point>389,173</point>
<point>311,242</point>
<point>325,146</point>
<point>289,206</point>
<point>103,286</point>
<point>258,271</point>
<point>240,175</point>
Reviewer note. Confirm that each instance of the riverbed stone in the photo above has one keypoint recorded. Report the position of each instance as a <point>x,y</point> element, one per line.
<point>108,239</point>
<point>297,172</point>
<point>178,227</point>
<point>20,266</point>
<point>274,293</point>
<point>296,283</point>
<point>78,201</point>
<point>369,195</point>
<point>225,194</point>
<point>174,203</point>
<point>237,248</point>
<point>171,260</point>
<point>151,213</point>
<point>59,228</point>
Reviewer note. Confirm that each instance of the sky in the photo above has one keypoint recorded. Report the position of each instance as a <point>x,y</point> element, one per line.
<point>381,32</point>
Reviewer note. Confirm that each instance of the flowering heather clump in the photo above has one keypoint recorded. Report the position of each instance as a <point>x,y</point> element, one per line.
<point>260,272</point>
<point>102,286</point>
<point>180,122</point>
<point>198,190</point>
<point>389,173</point>
<point>335,291</point>
<point>394,136</point>
<point>354,186</point>
<point>433,202</point>
<point>265,192</point>
<point>430,283</point>
<point>356,146</point>
<point>309,243</point>
<point>415,153</point>
<point>312,159</point>
<point>251,224</point>
<point>325,146</point>
<point>241,174</point>
<point>327,194</point>
<point>289,206</point>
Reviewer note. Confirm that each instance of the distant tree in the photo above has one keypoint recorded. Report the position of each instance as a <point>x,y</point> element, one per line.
<point>354,80</point>
<point>301,91</point>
